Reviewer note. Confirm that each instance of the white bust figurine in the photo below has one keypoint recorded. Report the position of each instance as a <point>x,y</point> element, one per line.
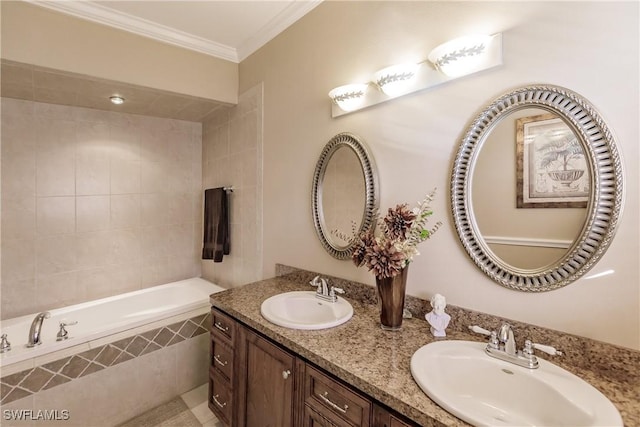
<point>437,318</point>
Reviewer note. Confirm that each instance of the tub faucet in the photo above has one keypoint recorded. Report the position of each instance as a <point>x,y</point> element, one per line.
<point>36,327</point>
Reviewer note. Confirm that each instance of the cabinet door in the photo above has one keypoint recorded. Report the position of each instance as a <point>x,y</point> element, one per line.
<point>314,419</point>
<point>266,390</point>
<point>384,418</point>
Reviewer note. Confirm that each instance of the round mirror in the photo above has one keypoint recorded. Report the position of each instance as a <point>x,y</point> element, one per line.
<point>537,188</point>
<point>344,194</point>
<point>530,188</point>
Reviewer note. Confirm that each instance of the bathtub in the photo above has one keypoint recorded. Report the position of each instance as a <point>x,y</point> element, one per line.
<point>105,320</point>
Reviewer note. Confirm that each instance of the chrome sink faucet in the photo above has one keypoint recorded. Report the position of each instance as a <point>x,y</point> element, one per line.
<point>323,291</point>
<point>506,338</point>
<point>502,345</point>
<point>36,327</point>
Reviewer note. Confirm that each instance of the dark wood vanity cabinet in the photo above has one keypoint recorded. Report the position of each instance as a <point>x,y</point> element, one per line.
<point>254,382</point>
<point>266,387</point>
<point>222,367</point>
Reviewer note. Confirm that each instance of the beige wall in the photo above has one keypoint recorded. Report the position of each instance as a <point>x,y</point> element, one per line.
<point>95,204</point>
<point>232,156</point>
<point>38,36</point>
<point>591,48</point>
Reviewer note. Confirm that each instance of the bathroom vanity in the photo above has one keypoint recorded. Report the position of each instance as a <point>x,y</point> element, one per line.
<point>354,374</point>
<point>253,379</point>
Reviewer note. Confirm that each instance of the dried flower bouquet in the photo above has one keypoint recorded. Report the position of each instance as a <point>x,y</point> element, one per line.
<point>393,247</point>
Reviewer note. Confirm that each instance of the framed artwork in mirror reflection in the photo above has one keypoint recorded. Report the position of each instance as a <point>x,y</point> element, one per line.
<point>551,168</point>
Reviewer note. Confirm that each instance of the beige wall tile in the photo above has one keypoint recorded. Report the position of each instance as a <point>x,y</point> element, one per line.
<point>55,254</point>
<point>18,175</point>
<point>125,175</point>
<point>18,262</point>
<point>125,246</point>
<point>125,211</point>
<point>93,249</point>
<point>92,213</point>
<point>89,195</point>
<point>59,290</point>
<point>55,215</point>
<point>19,217</point>
<point>192,361</point>
<point>153,209</point>
<point>92,158</point>
<point>18,298</point>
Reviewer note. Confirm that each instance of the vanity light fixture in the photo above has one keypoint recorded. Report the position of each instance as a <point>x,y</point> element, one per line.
<point>396,79</point>
<point>116,99</point>
<point>460,56</point>
<point>453,59</point>
<point>349,97</point>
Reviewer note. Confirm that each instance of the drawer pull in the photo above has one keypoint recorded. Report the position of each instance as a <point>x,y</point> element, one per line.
<point>285,374</point>
<point>215,399</point>
<point>218,325</point>
<point>220,362</point>
<point>333,405</point>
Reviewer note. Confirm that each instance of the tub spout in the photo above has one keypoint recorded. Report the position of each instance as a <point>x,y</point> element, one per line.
<point>36,327</point>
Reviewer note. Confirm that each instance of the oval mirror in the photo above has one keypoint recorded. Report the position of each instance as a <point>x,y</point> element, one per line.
<point>344,194</point>
<point>536,188</point>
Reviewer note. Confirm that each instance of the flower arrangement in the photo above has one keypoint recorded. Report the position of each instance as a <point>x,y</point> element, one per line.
<point>395,244</point>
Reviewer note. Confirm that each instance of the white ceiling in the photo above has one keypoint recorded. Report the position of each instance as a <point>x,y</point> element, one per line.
<point>230,30</point>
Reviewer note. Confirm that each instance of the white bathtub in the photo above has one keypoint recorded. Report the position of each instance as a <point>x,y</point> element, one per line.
<point>108,317</point>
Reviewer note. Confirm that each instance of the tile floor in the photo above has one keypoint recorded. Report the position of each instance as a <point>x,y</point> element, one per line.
<point>180,412</point>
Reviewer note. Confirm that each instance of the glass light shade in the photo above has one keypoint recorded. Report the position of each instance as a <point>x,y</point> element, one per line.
<point>396,79</point>
<point>349,97</point>
<point>460,56</point>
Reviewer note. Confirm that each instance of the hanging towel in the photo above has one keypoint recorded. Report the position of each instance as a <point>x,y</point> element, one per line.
<point>216,224</point>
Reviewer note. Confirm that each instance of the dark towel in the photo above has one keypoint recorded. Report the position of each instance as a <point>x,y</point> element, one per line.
<point>216,224</point>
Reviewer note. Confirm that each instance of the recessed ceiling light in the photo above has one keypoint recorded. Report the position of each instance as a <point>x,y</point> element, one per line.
<point>115,99</point>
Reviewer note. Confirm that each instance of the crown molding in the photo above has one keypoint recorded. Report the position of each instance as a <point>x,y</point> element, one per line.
<point>289,15</point>
<point>106,16</point>
<point>123,21</point>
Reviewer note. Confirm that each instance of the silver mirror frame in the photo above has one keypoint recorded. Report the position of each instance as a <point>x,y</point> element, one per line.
<point>604,207</point>
<point>371,191</point>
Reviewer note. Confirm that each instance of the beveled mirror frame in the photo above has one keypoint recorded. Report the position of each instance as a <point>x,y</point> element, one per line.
<point>603,209</point>
<point>351,141</point>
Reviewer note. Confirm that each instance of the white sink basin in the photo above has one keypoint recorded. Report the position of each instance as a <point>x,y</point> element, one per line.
<point>485,391</point>
<point>302,310</point>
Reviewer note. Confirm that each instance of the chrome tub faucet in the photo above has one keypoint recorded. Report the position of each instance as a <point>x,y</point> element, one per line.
<point>36,328</point>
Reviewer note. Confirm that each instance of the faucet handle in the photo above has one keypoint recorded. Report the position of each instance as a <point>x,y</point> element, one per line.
<point>335,290</point>
<point>545,348</point>
<point>316,284</point>
<point>63,334</point>
<point>5,345</point>
<point>478,330</point>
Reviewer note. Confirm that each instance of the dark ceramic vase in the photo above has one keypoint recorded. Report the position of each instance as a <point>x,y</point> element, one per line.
<point>391,291</point>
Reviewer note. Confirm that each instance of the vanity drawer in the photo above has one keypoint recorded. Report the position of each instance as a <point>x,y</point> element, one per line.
<point>326,396</point>
<point>220,398</point>
<point>223,327</point>
<point>221,359</point>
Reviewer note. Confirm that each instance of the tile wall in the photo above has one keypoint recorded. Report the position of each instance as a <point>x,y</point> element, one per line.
<point>95,203</point>
<point>232,156</point>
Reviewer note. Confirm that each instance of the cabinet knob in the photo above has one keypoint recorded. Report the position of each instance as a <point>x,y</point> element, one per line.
<point>285,374</point>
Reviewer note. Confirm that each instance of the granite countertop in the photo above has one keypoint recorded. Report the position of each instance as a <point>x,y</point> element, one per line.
<point>377,362</point>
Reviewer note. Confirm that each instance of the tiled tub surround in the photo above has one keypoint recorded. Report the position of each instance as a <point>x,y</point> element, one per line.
<point>377,362</point>
<point>155,349</point>
<point>95,203</point>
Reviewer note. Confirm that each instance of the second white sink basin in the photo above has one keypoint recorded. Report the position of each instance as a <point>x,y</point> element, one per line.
<point>302,310</point>
<point>484,391</point>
